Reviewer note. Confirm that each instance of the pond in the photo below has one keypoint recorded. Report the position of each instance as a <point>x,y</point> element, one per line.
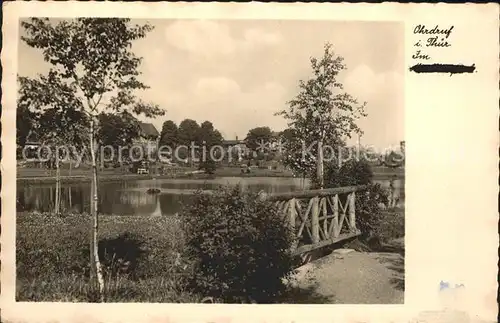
<point>130,197</point>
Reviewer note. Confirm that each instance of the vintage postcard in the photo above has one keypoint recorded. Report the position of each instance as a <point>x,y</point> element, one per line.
<point>223,162</point>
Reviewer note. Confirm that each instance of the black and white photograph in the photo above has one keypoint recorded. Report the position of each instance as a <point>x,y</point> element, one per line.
<point>247,162</point>
<point>210,161</point>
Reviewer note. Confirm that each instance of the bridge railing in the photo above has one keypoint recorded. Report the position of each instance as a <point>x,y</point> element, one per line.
<point>319,217</point>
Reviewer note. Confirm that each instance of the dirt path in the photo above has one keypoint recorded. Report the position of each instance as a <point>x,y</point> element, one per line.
<point>354,278</point>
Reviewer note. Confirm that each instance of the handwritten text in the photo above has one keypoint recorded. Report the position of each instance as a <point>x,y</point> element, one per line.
<point>436,37</point>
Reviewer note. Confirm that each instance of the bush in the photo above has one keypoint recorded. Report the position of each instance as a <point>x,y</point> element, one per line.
<point>392,225</point>
<point>209,166</point>
<point>358,172</point>
<point>352,172</point>
<point>238,246</point>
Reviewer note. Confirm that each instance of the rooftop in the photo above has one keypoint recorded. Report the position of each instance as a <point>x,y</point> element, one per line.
<point>233,142</point>
<point>148,129</point>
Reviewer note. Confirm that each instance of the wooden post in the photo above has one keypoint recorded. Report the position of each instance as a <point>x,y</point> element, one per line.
<point>325,215</point>
<point>293,214</point>
<point>336,223</point>
<point>352,210</point>
<point>70,202</point>
<point>315,220</point>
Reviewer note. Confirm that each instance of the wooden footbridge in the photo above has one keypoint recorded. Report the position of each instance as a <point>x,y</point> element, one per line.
<point>319,217</point>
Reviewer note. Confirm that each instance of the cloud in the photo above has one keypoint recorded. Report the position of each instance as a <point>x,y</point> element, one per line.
<point>255,37</point>
<point>213,86</point>
<point>232,109</point>
<point>209,38</point>
<point>384,94</point>
<point>363,83</point>
<point>200,36</point>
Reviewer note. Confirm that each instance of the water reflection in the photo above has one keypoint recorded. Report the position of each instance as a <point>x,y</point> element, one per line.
<point>130,197</point>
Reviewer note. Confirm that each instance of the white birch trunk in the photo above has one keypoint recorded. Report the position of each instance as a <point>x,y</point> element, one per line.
<point>94,211</point>
<point>319,173</point>
<point>58,189</point>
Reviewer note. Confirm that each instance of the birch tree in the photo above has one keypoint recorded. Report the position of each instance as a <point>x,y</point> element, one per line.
<point>322,112</point>
<point>57,129</point>
<point>93,69</point>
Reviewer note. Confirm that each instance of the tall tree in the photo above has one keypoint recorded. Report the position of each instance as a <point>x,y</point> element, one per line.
<point>169,134</point>
<point>291,148</point>
<point>209,137</point>
<point>322,113</point>
<point>56,129</point>
<point>188,132</point>
<point>26,120</point>
<point>188,135</point>
<point>93,69</point>
<point>259,138</point>
<point>117,131</point>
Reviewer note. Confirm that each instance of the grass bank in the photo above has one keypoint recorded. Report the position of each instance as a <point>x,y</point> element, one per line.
<point>42,176</point>
<point>140,256</point>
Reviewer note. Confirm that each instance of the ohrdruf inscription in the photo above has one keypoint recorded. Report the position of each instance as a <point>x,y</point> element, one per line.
<point>437,38</point>
<point>422,29</point>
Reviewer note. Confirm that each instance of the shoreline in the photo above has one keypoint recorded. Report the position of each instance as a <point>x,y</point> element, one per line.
<point>378,174</point>
<point>133,177</point>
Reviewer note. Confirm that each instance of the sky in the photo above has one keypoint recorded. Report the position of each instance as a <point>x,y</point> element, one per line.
<point>238,73</point>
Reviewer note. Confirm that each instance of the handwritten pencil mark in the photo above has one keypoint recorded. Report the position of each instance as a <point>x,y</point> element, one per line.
<point>446,285</point>
<point>443,68</point>
<point>443,285</point>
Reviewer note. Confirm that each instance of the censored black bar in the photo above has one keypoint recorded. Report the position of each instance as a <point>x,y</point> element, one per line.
<point>443,68</point>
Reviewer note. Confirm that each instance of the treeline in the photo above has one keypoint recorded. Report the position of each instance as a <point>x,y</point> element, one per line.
<point>189,134</point>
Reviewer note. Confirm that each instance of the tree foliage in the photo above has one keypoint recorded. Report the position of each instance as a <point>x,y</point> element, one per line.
<point>293,156</point>
<point>209,137</point>
<point>188,132</point>
<point>63,127</point>
<point>169,135</point>
<point>258,137</point>
<point>93,70</point>
<point>93,75</point>
<point>93,67</point>
<point>393,159</point>
<point>321,109</point>
<point>26,121</point>
<point>117,130</point>
<point>358,172</point>
<point>322,112</point>
<point>239,247</point>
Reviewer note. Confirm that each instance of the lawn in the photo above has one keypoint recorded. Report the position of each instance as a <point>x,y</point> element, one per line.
<point>139,254</point>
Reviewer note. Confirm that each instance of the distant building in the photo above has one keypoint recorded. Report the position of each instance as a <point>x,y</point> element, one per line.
<point>148,134</point>
<point>236,147</point>
<point>275,143</point>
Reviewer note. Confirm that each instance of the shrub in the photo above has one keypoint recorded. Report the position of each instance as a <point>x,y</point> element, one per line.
<point>392,225</point>
<point>352,172</point>
<point>358,172</point>
<point>209,166</point>
<point>238,245</point>
<point>368,211</point>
